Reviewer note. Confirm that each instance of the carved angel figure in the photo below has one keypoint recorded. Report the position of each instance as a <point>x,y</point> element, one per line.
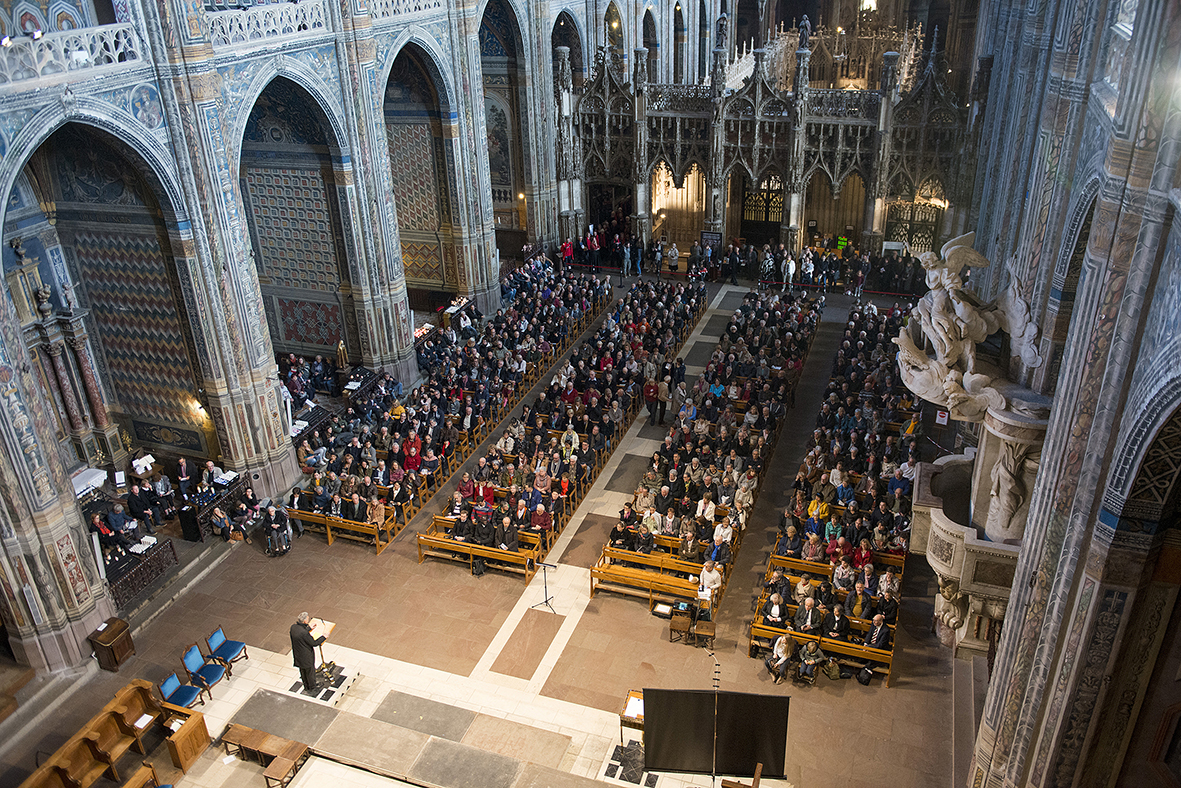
<point>951,320</point>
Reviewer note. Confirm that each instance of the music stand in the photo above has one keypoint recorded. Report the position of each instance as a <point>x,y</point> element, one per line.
<point>545,588</point>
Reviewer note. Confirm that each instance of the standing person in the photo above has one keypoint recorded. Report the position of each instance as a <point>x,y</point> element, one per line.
<point>627,259</point>
<point>592,248</point>
<point>657,255</point>
<point>567,255</point>
<point>674,258</point>
<point>664,396</point>
<point>183,477</point>
<point>303,651</point>
<point>651,397</point>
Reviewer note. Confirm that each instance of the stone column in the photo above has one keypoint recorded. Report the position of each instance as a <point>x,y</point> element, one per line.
<point>65,385</point>
<point>98,407</point>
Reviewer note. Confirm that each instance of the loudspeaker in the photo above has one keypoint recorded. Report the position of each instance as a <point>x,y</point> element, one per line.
<point>189,525</point>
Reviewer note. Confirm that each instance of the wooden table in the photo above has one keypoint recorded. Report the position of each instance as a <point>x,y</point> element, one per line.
<point>632,713</point>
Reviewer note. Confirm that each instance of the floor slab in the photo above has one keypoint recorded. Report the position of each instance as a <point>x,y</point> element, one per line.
<point>523,742</point>
<point>528,643</point>
<point>424,715</point>
<point>454,765</point>
<point>284,715</point>
<point>376,745</point>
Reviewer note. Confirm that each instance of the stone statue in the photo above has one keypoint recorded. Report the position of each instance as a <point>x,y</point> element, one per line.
<point>805,32</point>
<point>720,42</point>
<point>1008,487</point>
<point>955,608</point>
<point>952,320</point>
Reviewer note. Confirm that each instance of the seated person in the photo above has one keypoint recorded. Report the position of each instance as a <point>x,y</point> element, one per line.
<point>108,537</point>
<point>858,603</point>
<point>888,606</point>
<point>120,522</point>
<point>541,521</point>
<point>774,611</point>
<point>869,577</point>
<point>779,658</point>
<point>278,530</point>
<point>824,596</point>
<point>811,657</point>
<point>221,523</point>
<point>836,624</point>
<point>778,584</point>
<point>144,506</point>
<point>790,544</point>
<point>837,549</point>
<point>878,635</point>
<point>711,578</point>
<point>621,536</point>
<point>688,535</point>
<point>644,540</point>
<point>718,552</point>
<point>375,514</point>
<point>808,618</point>
<point>162,486</point>
<point>803,589</point>
<point>813,549</point>
<point>890,580</point>
<point>506,535</point>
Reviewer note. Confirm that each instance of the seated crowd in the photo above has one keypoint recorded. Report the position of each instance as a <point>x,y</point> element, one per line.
<point>701,485</point>
<point>851,504</point>
<point>527,478</point>
<point>387,441</point>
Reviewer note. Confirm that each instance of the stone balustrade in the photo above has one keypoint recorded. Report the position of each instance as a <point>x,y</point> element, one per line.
<point>65,53</point>
<point>389,9</point>
<point>847,104</point>
<point>266,22</point>
<point>680,99</point>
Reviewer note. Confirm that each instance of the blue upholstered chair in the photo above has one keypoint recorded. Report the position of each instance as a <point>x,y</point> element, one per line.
<point>184,695</point>
<point>203,671</point>
<point>226,651</point>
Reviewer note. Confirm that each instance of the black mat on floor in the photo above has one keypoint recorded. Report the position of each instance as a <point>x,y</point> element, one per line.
<point>425,716</point>
<point>630,470</point>
<point>716,326</point>
<point>731,301</point>
<point>284,715</point>
<point>698,355</point>
<point>652,432</point>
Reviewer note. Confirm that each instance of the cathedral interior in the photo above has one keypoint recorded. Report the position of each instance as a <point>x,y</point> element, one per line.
<point>196,190</point>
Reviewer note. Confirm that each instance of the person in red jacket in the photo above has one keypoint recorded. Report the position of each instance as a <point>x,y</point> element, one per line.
<point>651,390</point>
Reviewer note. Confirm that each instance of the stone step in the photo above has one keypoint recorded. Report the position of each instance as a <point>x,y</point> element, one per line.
<point>963,719</point>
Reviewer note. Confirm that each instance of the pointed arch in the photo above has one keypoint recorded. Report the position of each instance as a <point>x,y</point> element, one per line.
<point>567,33</point>
<point>293,174</point>
<point>651,42</point>
<point>114,244</point>
<point>680,43</point>
<point>614,31</point>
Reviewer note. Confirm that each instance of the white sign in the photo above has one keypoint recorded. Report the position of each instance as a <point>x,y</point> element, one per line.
<point>941,417</point>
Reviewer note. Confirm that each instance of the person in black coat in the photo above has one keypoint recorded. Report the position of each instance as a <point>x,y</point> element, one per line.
<point>144,506</point>
<point>836,624</point>
<point>303,651</point>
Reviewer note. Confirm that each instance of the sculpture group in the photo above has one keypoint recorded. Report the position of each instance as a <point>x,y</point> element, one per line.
<point>951,321</point>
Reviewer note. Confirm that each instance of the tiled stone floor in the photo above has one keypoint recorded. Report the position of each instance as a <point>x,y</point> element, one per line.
<point>433,631</point>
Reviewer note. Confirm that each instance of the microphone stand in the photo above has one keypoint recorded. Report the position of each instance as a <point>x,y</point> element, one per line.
<point>713,773</point>
<point>545,588</point>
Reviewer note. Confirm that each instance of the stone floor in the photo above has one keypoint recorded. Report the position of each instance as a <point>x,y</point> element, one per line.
<point>436,633</point>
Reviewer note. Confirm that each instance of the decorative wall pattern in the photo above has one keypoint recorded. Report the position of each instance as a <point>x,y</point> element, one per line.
<point>421,261</point>
<point>414,170</point>
<point>134,308</point>
<point>310,323</point>
<point>293,227</point>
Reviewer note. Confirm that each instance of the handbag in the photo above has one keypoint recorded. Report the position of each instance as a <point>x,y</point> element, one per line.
<point>236,536</point>
<point>863,676</point>
<point>832,670</point>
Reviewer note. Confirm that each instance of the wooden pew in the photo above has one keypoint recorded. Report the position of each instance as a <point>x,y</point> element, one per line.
<point>645,584</point>
<point>439,544</point>
<point>336,527</point>
<point>850,654</point>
